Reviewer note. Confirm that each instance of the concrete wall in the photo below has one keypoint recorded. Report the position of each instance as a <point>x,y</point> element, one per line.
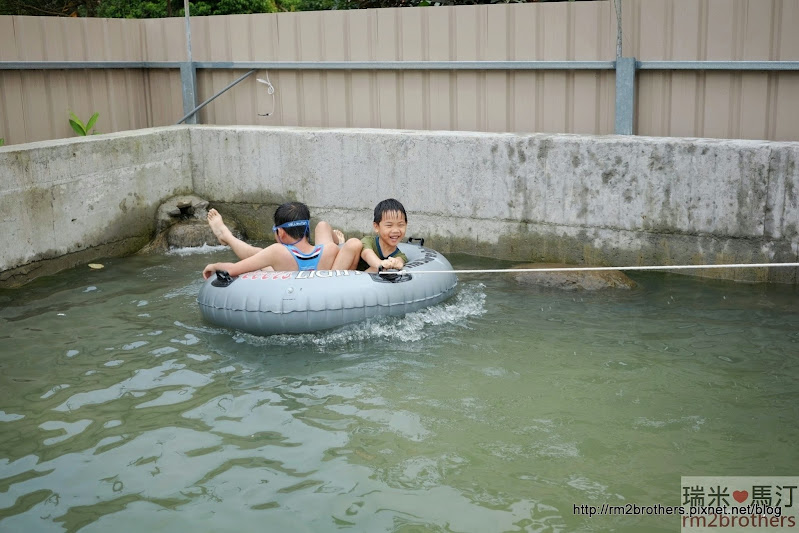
<point>68,202</point>
<point>555,198</point>
<point>580,199</point>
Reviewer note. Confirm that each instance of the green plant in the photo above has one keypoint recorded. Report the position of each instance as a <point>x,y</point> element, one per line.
<point>2,141</point>
<point>79,127</point>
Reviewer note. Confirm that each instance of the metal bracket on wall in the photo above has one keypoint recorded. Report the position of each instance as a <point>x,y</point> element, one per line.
<point>625,95</point>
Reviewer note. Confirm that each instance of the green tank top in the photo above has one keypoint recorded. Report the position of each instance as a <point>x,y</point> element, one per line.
<point>371,243</point>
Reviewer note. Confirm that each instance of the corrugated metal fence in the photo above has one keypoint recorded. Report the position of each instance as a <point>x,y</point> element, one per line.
<point>758,104</point>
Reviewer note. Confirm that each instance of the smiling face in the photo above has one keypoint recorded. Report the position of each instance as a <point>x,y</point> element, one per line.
<point>390,230</point>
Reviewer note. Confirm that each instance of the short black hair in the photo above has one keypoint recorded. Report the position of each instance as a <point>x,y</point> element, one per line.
<point>387,206</point>
<point>289,212</point>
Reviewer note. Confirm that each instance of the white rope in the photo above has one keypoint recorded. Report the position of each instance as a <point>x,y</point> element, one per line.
<point>586,269</point>
<point>270,89</point>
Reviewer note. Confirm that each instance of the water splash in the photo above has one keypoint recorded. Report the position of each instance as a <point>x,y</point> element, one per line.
<point>195,250</point>
<point>468,302</point>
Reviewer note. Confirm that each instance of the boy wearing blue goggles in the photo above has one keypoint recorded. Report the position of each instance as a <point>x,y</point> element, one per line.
<point>293,251</point>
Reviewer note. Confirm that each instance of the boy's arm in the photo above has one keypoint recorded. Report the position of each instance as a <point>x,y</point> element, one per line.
<point>375,262</point>
<point>211,269</point>
<point>371,258</point>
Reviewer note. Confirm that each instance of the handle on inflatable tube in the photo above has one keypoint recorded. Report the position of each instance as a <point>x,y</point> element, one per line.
<point>387,275</point>
<point>391,275</point>
<point>223,279</point>
<point>411,239</point>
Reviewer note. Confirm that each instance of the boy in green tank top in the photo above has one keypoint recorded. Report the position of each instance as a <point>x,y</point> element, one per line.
<point>369,253</point>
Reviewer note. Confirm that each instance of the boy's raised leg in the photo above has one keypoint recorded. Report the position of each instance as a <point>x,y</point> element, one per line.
<point>323,234</point>
<point>226,237</point>
<point>348,255</point>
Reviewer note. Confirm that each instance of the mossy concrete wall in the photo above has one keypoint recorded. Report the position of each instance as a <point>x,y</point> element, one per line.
<point>545,198</point>
<point>72,201</point>
<point>608,200</point>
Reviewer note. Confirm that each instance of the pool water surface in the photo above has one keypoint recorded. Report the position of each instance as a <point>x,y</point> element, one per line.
<point>499,410</point>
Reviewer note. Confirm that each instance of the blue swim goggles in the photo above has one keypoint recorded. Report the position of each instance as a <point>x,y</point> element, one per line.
<point>295,224</point>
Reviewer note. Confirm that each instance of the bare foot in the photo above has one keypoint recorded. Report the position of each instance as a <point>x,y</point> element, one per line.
<point>218,226</point>
<point>338,236</point>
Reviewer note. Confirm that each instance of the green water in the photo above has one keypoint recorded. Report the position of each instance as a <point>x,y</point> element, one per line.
<point>498,410</point>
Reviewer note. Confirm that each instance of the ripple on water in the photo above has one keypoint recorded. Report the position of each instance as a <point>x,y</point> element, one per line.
<point>10,417</point>
<point>694,422</point>
<point>592,490</point>
<point>405,424</point>
<point>169,373</point>
<point>68,429</point>
<point>164,350</point>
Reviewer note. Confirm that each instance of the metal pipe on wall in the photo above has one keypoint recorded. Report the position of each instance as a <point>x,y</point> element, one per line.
<point>617,3</point>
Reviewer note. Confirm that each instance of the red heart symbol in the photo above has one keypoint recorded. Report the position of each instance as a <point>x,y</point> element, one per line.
<point>740,495</point>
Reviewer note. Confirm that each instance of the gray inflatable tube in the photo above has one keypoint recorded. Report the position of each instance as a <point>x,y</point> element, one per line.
<point>267,303</point>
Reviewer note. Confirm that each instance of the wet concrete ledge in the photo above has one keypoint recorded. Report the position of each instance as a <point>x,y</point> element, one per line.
<point>73,200</point>
<point>530,198</point>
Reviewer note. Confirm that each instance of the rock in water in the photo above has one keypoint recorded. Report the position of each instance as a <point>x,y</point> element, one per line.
<point>584,280</point>
<point>181,222</point>
<point>190,234</point>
